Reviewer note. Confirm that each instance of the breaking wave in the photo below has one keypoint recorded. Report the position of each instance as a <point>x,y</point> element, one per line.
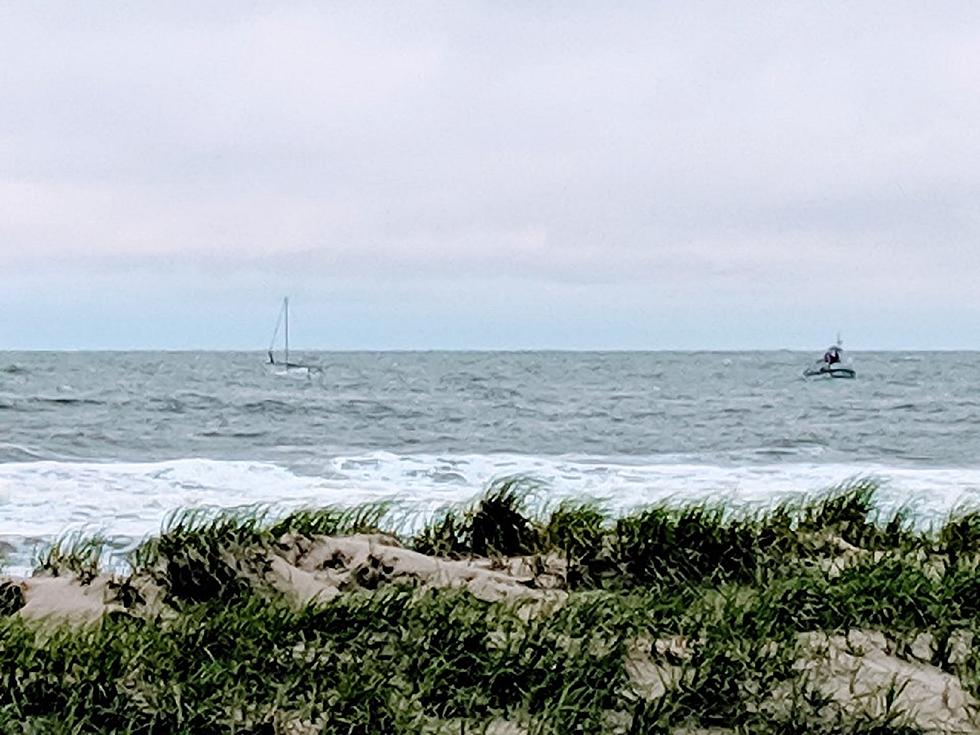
<point>44,499</point>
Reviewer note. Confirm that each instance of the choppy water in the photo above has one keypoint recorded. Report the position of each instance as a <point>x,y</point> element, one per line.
<point>113,441</point>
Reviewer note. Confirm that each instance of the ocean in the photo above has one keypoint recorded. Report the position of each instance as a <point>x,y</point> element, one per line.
<point>111,442</point>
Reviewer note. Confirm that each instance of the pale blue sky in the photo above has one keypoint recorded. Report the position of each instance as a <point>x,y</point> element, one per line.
<point>490,175</point>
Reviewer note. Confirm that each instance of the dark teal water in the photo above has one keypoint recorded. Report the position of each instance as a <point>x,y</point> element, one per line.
<point>707,407</point>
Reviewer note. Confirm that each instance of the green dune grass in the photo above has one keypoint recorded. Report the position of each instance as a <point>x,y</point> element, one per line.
<point>716,601</point>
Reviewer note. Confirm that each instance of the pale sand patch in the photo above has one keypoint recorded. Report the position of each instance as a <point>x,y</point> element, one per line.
<point>857,672</point>
<point>308,569</point>
<point>654,667</point>
<point>66,600</point>
<point>923,647</point>
<point>543,572</point>
<point>300,586</point>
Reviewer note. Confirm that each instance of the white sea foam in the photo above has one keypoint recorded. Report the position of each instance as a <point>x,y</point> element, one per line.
<point>41,500</point>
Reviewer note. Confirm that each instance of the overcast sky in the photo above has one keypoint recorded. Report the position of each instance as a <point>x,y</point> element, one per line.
<point>490,175</point>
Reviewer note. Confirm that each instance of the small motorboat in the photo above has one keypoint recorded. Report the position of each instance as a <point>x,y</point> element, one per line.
<point>831,365</point>
<point>829,372</point>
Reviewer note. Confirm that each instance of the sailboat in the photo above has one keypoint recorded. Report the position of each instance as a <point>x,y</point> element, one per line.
<point>285,366</point>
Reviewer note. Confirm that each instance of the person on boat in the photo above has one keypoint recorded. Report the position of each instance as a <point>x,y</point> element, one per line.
<point>832,356</point>
<point>272,360</point>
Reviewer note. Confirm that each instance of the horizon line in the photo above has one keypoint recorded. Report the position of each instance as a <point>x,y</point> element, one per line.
<point>514,350</point>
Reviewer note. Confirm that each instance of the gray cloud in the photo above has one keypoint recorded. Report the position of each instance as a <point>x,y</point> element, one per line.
<point>638,155</point>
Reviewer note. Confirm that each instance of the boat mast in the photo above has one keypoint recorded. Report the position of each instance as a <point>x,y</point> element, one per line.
<point>285,306</point>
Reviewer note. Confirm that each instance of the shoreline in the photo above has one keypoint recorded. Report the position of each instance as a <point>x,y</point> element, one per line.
<point>128,502</point>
